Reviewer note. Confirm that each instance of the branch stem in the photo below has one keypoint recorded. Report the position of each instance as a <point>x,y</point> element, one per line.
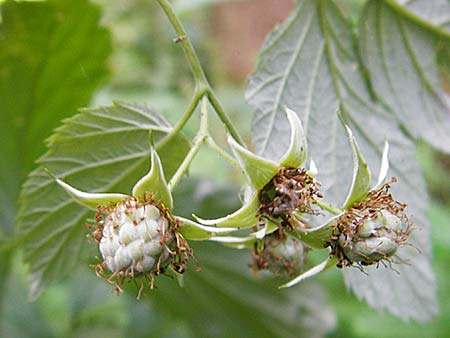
<point>184,119</point>
<point>214,146</point>
<point>224,117</point>
<point>185,42</point>
<point>199,139</point>
<point>201,82</point>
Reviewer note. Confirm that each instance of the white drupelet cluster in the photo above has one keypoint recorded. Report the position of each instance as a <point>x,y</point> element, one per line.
<point>135,238</point>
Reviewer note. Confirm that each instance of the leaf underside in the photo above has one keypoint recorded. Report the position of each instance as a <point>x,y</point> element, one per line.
<point>405,62</point>
<point>100,150</point>
<point>311,64</point>
<point>436,12</point>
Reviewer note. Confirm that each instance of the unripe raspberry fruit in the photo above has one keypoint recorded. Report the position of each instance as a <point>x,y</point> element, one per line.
<point>284,256</point>
<point>376,239</point>
<point>370,231</point>
<point>136,238</point>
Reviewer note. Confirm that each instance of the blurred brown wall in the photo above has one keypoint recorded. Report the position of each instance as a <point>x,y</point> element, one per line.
<point>240,28</point>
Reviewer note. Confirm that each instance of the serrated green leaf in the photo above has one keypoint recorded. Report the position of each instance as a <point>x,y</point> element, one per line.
<point>310,64</point>
<point>361,174</point>
<point>100,150</point>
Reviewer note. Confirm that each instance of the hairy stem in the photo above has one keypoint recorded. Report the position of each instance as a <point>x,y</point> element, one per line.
<point>224,117</point>
<point>201,83</point>
<point>199,139</point>
<point>185,42</point>
<point>214,146</point>
<point>181,123</point>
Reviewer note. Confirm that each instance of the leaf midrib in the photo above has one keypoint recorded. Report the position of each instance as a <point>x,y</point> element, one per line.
<point>284,82</point>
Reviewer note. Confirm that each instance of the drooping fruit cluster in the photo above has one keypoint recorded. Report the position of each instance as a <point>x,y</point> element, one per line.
<point>138,238</point>
<point>371,231</point>
<point>282,255</point>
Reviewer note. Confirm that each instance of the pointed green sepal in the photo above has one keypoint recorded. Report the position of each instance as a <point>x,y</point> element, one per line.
<point>258,170</point>
<point>90,200</point>
<point>246,241</point>
<point>316,237</point>
<point>194,231</point>
<point>325,265</point>
<point>361,174</point>
<point>235,242</point>
<point>313,171</point>
<point>243,218</point>
<point>384,167</point>
<point>154,183</point>
<point>295,156</point>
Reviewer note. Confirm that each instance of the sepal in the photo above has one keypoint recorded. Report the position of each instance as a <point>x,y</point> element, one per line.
<point>313,171</point>
<point>258,170</point>
<point>361,174</point>
<point>384,167</point>
<point>243,218</point>
<point>154,183</point>
<point>316,237</point>
<point>295,156</point>
<point>325,265</point>
<point>246,242</point>
<point>90,200</point>
<point>193,231</point>
<point>267,229</point>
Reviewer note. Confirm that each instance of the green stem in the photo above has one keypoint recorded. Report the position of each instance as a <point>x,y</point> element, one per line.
<point>185,42</point>
<point>224,117</point>
<point>214,146</point>
<point>329,208</point>
<point>199,139</point>
<point>201,82</point>
<point>181,123</point>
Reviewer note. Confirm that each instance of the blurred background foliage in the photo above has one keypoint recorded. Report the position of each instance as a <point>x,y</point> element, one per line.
<point>139,63</point>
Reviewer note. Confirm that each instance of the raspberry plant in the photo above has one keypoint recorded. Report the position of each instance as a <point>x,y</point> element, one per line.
<point>308,189</point>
